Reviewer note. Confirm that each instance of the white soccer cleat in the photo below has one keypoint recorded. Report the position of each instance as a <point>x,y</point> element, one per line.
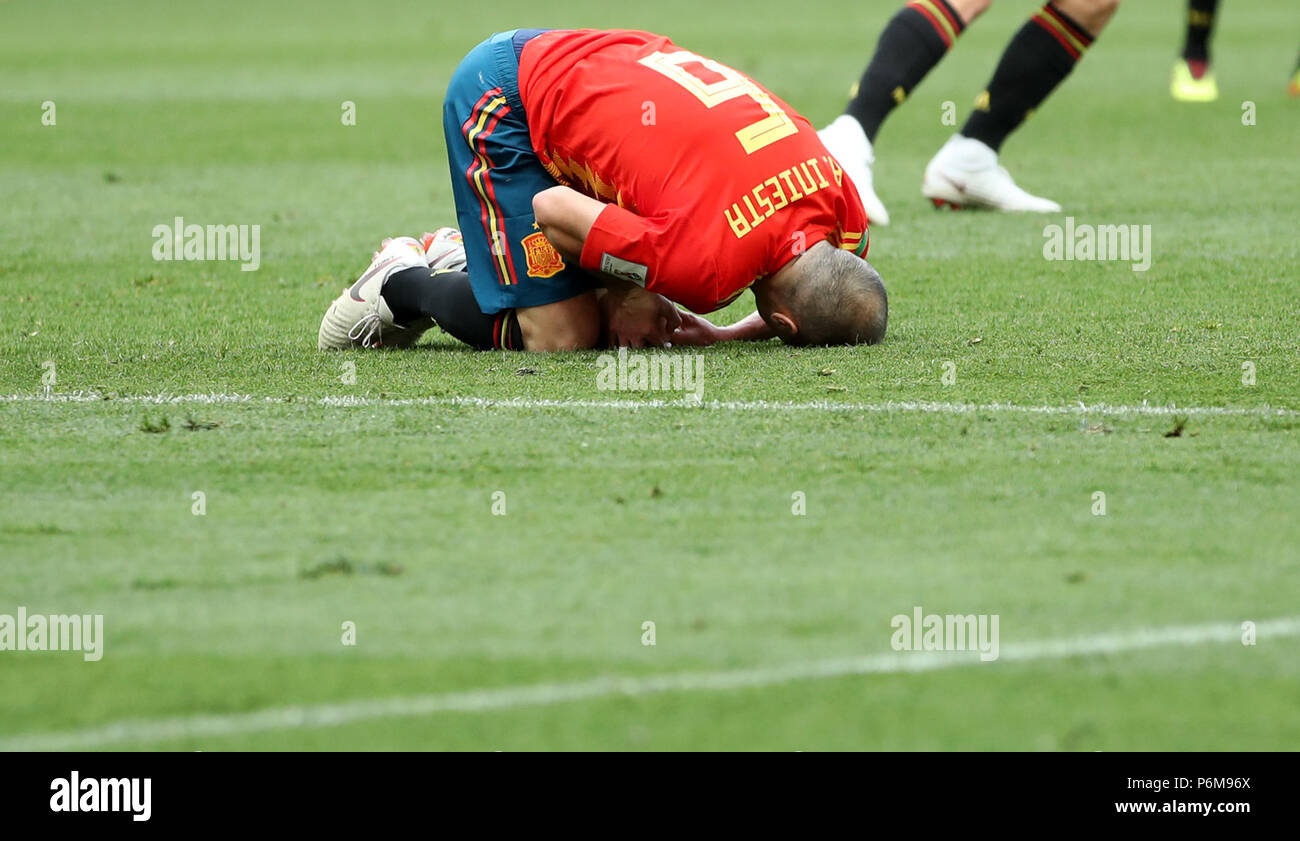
<point>359,317</point>
<point>444,249</point>
<point>845,139</point>
<point>965,173</point>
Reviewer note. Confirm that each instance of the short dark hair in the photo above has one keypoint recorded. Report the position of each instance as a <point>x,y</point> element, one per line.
<point>838,299</point>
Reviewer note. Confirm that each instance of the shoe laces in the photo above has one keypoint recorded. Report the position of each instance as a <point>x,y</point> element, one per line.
<point>367,331</point>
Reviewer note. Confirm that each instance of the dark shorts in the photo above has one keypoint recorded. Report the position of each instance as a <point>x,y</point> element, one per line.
<point>494,175</point>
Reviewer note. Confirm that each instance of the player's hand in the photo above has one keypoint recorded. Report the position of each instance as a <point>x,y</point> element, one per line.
<point>637,318</point>
<point>696,331</point>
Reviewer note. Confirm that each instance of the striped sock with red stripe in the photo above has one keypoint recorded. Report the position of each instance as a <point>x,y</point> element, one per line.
<point>911,44</point>
<point>1038,59</point>
<point>506,334</point>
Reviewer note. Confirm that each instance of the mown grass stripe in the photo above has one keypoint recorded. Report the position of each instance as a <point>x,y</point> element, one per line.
<point>149,731</point>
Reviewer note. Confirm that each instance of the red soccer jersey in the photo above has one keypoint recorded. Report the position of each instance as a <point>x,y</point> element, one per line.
<point>712,181</point>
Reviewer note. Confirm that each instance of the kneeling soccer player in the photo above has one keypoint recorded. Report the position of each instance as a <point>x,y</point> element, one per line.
<point>587,215</point>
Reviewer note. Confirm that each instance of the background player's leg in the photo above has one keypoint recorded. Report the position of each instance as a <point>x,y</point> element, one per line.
<point>1293,87</point>
<point>1200,25</point>
<point>1193,81</point>
<point>910,45</point>
<point>1036,61</point>
<point>1041,54</point>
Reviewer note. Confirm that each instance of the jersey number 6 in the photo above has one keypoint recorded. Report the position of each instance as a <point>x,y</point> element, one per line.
<point>776,125</point>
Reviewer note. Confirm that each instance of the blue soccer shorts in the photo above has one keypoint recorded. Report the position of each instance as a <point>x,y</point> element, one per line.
<point>494,175</point>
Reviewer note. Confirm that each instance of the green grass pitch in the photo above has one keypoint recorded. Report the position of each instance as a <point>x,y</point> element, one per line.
<point>321,509</point>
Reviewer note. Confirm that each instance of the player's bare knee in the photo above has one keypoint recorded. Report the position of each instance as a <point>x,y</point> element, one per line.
<point>1107,7</point>
<point>572,324</point>
<point>1092,15</point>
<point>968,10</point>
<point>564,337</point>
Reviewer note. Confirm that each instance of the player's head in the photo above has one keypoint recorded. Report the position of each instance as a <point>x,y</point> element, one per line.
<point>826,296</point>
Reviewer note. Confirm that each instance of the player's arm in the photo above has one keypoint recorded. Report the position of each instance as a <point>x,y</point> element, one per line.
<point>566,217</point>
<point>632,316</point>
<point>696,330</point>
<point>751,328</point>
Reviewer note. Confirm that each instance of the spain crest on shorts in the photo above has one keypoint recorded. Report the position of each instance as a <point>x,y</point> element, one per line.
<point>543,259</point>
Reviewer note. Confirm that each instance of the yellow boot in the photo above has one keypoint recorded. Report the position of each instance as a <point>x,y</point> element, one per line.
<point>1187,88</point>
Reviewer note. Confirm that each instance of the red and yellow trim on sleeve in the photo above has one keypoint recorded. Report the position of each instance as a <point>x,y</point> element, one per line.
<point>477,129</point>
<point>1074,39</point>
<point>857,243</point>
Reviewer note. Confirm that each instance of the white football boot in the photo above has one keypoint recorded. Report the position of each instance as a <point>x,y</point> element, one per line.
<point>845,139</point>
<point>444,249</point>
<point>359,317</point>
<point>965,173</point>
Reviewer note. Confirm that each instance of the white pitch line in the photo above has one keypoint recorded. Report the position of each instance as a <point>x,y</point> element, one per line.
<point>885,407</point>
<point>192,727</point>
